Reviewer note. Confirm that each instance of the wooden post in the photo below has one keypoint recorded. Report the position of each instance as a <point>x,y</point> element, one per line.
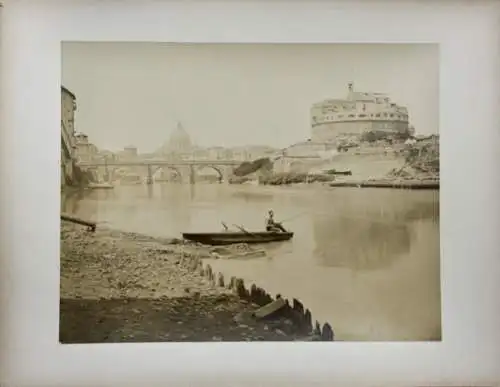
<point>149,179</point>
<point>241,290</point>
<point>191,175</point>
<point>253,294</point>
<point>317,329</point>
<point>308,320</point>
<point>220,280</point>
<point>261,297</point>
<point>327,333</point>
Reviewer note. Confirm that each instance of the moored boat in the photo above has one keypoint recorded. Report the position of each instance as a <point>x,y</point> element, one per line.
<point>233,237</point>
<point>101,185</point>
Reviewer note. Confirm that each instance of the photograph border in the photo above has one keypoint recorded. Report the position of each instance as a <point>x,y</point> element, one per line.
<point>30,198</point>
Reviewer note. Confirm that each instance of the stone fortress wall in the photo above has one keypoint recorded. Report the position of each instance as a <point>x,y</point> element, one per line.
<point>359,113</point>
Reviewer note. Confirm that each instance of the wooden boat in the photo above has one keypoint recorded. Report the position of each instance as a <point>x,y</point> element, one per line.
<point>101,186</point>
<point>233,237</point>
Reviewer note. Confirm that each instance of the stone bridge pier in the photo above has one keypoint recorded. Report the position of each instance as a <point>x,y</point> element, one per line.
<point>102,173</point>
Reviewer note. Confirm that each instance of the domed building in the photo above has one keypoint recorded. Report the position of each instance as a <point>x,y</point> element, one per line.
<point>179,142</point>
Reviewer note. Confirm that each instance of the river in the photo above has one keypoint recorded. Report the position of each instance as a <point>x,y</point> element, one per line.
<point>365,260</point>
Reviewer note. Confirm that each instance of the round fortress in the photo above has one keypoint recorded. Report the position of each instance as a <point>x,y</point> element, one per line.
<point>359,113</point>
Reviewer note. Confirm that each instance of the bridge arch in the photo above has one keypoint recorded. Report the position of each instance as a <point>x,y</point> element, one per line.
<point>156,169</point>
<point>214,168</point>
<point>100,173</point>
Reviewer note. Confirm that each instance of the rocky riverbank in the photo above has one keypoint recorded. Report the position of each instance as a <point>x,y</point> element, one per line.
<point>383,162</point>
<point>125,287</point>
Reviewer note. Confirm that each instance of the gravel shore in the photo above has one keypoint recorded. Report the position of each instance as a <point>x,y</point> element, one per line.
<point>125,287</point>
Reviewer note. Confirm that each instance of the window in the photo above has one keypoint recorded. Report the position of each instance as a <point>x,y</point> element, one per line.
<point>351,116</point>
<point>392,115</point>
<point>361,115</point>
<point>341,116</point>
<point>377,115</point>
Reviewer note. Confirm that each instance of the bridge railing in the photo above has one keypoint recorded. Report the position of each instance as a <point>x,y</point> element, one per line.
<point>158,162</point>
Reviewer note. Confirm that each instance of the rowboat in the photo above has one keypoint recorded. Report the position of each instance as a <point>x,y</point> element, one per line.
<point>233,237</point>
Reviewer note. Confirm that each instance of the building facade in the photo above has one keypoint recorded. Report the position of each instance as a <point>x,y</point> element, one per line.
<point>357,114</point>
<point>85,150</point>
<point>129,153</point>
<point>68,140</point>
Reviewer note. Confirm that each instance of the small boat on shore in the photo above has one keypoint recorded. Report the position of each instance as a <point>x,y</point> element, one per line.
<point>234,237</point>
<point>101,186</point>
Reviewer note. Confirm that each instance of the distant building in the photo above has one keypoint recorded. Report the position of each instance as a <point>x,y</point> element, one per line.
<point>358,113</point>
<point>201,154</point>
<point>85,151</point>
<point>252,152</point>
<point>308,149</point>
<point>179,141</point>
<point>129,153</point>
<point>218,153</point>
<point>106,155</point>
<point>179,146</point>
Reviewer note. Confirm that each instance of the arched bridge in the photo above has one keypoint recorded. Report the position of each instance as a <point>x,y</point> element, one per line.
<point>183,168</point>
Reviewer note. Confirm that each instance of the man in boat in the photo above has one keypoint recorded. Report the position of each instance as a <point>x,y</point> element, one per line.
<point>271,225</point>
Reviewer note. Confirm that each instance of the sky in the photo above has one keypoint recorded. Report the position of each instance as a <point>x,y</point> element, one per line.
<point>236,94</point>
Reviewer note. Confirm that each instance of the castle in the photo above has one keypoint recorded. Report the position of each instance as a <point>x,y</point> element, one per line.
<point>358,114</point>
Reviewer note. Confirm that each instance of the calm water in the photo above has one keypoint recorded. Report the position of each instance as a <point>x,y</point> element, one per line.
<point>367,261</point>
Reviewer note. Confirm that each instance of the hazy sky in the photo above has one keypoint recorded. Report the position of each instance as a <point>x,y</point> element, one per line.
<point>235,94</point>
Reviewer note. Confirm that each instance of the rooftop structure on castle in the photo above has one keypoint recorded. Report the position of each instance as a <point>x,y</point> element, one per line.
<point>358,113</point>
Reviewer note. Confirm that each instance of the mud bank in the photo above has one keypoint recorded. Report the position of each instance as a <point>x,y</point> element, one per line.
<point>125,287</point>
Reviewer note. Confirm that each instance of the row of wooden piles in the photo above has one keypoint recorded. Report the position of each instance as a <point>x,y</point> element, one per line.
<point>295,312</point>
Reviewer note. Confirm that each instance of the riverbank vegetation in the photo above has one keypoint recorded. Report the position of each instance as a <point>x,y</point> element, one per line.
<point>421,161</point>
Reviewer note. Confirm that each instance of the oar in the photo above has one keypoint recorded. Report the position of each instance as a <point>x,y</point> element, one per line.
<point>245,231</point>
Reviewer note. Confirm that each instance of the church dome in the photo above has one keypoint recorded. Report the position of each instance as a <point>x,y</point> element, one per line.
<point>179,140</point>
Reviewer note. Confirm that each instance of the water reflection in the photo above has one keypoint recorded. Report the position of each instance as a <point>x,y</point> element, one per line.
<point>365,260</point>
<point>248,197</point>
<point>359,244</point>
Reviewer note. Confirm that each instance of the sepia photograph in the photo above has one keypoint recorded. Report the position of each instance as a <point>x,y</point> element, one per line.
<point>249,192</point>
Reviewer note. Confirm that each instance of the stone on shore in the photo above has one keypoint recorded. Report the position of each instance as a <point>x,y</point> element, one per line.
<point>124,287</point>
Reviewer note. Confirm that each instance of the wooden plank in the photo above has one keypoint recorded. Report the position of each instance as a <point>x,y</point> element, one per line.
<point>270,308</point>
<point>83,222</point>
